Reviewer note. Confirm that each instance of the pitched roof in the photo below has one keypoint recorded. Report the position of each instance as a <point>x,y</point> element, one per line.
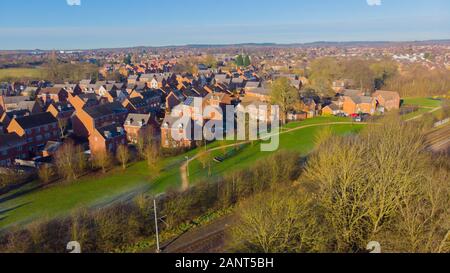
<point>36,120</point>
<point>27,105</point>
<point>137,102</point>
<point>63,106</point>
<point>352,93</point>
<point>17,113</point>
<point>252,85</point>
<point>137,119</point>
<point>260,91</point>
<point>14,99</point>
<point>387,95</point>
<point>334,107</point>
<point>105,109</point>
<point>50,90</point>
<point>111,130</point>
<point>361,99</point>
<point>237,80</point>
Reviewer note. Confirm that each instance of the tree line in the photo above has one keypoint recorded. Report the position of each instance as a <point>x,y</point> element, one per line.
<point>411,80</point>
<point>378,186</point>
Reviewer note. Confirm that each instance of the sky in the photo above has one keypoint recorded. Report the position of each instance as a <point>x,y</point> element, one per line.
<point>84,24</point>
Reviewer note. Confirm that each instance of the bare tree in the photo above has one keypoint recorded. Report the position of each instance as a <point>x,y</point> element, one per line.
<point>123,155</point>
<point>276,222</point>
<point>70,161</point>
<point>102,159</point>
<point>284,95</point>
<point>152,155</point>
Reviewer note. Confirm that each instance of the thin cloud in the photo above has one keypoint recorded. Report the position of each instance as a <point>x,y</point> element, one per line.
<point>74,2</point>
<point>374,2</point>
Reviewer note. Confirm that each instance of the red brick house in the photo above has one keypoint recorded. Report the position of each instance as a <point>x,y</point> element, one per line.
<point>359,104</point>
<point>152,98</point>
<point>12,146</point>
<point>53,94</point>
<point>36,129</point>
<point>107,139</point>
<point>63,112</point>
<point>7,117</point>
<point>86,120</point>
<point>136,124</point>
<point>183,132</point>
<point>388,100</point>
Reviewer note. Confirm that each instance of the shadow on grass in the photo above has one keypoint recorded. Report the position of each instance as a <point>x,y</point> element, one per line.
<point>20,193</point>
<point>14,208</point>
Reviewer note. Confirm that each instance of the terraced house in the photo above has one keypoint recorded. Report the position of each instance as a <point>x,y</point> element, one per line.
<point>137,124</point>
<point>86,120</point>
<point>11,147</point>
<point>36,130</point>
<point>359,104</point>
<point>107,139</point>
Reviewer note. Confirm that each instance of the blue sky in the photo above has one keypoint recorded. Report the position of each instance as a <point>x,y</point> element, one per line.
<point>54,24</point>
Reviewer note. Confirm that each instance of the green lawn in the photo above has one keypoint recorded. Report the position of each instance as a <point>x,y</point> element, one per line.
<point>20,73</point>
<point>423,102</point>
<point>27,204</point>
<point>301,141</point>
<point>425,105</point>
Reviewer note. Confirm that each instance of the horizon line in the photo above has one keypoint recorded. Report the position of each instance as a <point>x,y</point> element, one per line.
<point>267,44</point>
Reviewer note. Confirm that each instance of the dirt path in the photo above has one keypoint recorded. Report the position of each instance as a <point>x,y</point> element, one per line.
<point>206,239</point>
<point>429,112</point>
<point>184,166</point>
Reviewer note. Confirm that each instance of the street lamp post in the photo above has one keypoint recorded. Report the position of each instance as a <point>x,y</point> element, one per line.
<point>158,249</point>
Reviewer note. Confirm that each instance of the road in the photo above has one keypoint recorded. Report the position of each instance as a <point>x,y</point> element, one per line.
<point>429,112</point>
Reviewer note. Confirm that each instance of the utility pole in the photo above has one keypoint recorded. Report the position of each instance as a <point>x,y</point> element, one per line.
<point>158,250</point>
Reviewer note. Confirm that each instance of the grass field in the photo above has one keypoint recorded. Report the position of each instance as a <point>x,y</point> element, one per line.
<point>27,204</point>
<point>301,141</point>
<point>423,102</point>
<point>20,73</point>
<point>425,105</point>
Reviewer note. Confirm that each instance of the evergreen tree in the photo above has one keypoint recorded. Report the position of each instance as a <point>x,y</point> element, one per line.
<point>127,59</point>
<point>247,61</point>
<point>239,60</point>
